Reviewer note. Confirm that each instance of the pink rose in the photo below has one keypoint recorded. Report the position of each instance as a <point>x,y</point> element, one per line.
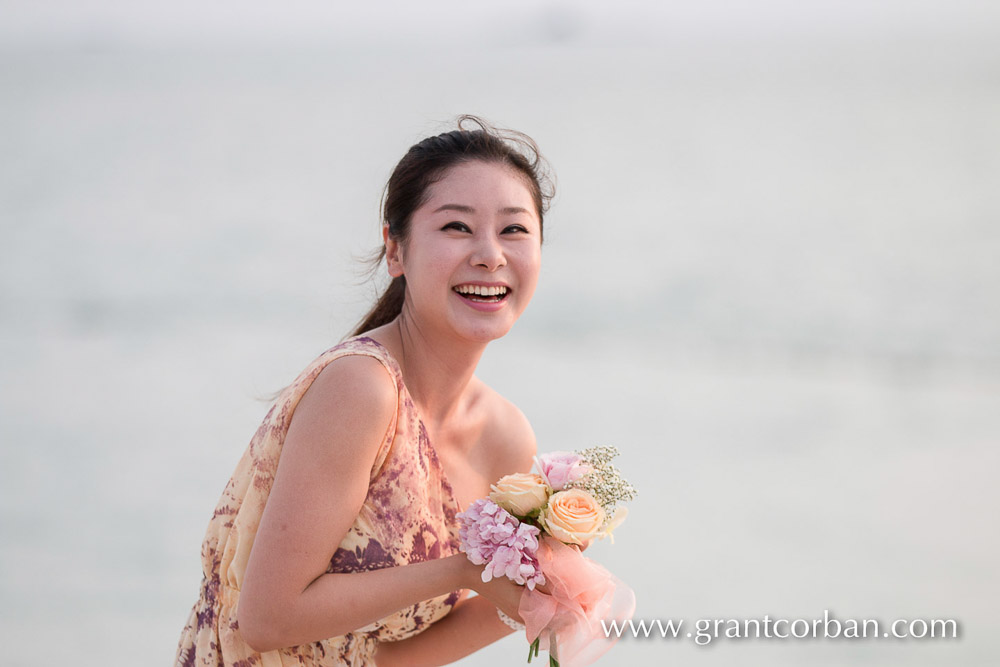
<point>561,468</point>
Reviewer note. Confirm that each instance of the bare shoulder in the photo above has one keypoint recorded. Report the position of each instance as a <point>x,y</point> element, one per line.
<point>356,373</point>
<point>355,392</point>
<point>507,433</point>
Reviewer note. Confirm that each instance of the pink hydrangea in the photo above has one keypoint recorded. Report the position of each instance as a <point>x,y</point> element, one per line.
<point>493,537</point>
<point>561,468</point>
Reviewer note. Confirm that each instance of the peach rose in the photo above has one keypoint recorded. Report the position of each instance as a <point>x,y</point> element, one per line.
<point>573,517</point>
<point>520,493</point>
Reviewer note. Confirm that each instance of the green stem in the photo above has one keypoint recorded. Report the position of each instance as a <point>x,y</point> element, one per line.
<point>533,649</point>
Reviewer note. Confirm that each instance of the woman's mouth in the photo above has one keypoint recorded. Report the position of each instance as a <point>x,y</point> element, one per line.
<point>482,293</point>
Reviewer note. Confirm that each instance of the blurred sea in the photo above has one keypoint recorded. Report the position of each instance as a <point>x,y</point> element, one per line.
<point>768,278</point>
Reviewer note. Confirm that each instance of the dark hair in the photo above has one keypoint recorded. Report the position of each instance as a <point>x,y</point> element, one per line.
<point>425,164</point>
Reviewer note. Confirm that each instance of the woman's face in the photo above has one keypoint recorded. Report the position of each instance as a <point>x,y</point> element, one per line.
<point>473,254</point>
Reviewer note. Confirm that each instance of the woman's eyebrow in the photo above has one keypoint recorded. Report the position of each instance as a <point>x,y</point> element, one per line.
<point>462,208</point>
<point>513,210</point>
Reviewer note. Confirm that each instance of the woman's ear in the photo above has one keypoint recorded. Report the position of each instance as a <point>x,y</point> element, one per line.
<point>393,253</point>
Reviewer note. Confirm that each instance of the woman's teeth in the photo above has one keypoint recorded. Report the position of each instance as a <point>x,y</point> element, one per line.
<point>481,292</point>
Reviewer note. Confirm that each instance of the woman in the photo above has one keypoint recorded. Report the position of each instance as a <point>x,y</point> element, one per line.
<point>348,491</point>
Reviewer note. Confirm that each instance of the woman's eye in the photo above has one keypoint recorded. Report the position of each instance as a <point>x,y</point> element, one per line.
<point>460,226</point>
<point>513,229</point>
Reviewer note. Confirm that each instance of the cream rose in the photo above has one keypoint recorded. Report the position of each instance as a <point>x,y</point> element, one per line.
<point>520,493</point>
<point>573,516</point>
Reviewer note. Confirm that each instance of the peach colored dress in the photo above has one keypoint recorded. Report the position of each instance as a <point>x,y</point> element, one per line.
<point>408,516</point>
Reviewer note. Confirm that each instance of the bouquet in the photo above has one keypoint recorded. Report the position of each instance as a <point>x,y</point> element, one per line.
<point>531,529</point>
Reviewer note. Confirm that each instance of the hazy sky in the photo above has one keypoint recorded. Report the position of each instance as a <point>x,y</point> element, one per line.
<point>511,22</point>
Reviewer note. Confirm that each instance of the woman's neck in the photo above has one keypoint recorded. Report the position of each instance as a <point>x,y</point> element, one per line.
<point>436,369</point>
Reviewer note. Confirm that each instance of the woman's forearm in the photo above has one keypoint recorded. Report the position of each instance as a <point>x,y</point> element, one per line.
<point>335,604</point>
<point>470,626</point>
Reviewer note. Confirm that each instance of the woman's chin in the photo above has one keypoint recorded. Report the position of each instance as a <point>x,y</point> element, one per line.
<point>484,332</point>
<point>485,337</point>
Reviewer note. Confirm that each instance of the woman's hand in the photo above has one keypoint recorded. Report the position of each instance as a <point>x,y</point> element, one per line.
<point>503,593</point>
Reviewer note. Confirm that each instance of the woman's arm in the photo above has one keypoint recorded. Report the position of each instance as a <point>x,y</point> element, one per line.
<point>470,626</point>
<point>287,598</point>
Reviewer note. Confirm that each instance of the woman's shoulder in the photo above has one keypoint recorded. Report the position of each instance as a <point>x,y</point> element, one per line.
<point>359,367</point>
<point>506,430</point>
<point>352,378</point>
<point>356,359</point>
<point>346,412</point>
<point>357,346</point>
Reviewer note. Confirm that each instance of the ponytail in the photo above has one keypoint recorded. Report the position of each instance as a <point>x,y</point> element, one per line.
<point>385,310</point>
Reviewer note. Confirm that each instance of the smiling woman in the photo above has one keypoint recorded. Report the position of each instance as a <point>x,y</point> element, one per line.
<point>424,165</point>
<point>336,537</point>
<point>478,234</point>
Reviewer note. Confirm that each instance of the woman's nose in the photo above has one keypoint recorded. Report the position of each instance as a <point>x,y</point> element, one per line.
<point>489,254</point>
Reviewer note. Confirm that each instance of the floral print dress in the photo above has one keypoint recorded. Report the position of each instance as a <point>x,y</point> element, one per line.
<point>407,517</point>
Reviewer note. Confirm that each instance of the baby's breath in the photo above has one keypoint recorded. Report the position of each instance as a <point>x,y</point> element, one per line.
<point>605,481</point>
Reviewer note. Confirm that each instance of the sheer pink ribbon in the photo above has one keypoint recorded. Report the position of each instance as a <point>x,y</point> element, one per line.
<point>567,620</point>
